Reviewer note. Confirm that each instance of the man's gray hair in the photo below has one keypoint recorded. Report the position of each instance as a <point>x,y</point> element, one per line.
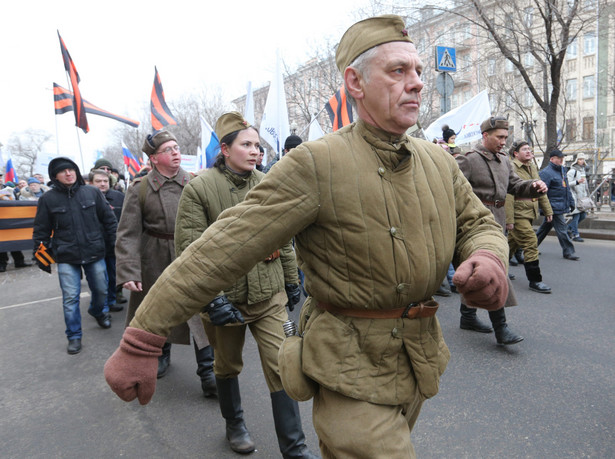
<point>361,65</point>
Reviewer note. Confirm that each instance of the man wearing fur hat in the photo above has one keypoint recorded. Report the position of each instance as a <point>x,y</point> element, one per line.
<point>520,214</point>
<point>491,175</point>
<point>145,244</point>
<point>377,217</point>
<point>76,224</point>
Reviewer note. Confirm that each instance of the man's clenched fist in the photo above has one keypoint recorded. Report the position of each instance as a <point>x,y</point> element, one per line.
<point>482,280</point>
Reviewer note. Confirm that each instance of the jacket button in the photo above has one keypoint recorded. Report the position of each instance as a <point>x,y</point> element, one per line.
<point>394,333</point>
<point>399,288</point>
<point>393,231</point>
<point>381,171</point>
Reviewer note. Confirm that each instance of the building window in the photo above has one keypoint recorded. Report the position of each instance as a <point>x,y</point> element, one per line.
<point>571,89</point>
<point>491,67</point>
<point>571,51</point>
<point>588,128</point>
<point>528,60</point>
<point>589,86</point>
<point>589,43</point>
<point>528,98</point>
<point>528,14</point>
<point>509,66</point>
<point>571,130</point>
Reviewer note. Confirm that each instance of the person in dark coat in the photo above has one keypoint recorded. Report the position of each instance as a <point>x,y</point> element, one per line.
<point>75,222</point>
<point>562,202</point>
<point>100,179</point>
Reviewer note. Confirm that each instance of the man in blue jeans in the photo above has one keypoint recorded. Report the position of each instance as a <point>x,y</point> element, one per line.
<point>77,224</point>
<point>561,200</point>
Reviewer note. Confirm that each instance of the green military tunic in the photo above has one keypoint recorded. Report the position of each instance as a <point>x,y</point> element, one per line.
<point>377,220</point>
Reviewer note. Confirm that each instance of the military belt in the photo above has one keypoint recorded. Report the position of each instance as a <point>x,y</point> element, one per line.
<point>526,199</point>
<point>156,234</point>
<point>418,310</point>
<point>497,203</point>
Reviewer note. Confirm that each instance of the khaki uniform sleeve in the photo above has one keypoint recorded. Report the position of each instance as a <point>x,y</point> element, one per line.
<point>289,264</point>
<point>128,241</point>
<point>510,209</point>
<point>283,204</point>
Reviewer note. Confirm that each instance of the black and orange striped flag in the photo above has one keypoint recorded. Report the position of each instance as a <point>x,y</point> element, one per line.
<point>63,102</point>
<point>80,118</point>
<point>161,114</point>
<point>339,109</point>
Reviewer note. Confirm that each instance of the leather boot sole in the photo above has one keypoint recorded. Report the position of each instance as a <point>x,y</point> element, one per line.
<point>534,289</point>
<point>476,328</point>
<point>515,340</point>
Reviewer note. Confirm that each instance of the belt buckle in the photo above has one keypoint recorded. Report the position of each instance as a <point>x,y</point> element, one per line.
<point>499,203</point>
<point>407,310</point>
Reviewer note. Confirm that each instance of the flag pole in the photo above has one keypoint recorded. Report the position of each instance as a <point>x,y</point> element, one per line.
<point>315,117</point>
<point>76,127</point>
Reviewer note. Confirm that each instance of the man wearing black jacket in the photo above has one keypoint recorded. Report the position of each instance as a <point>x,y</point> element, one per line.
<point>77,224</point>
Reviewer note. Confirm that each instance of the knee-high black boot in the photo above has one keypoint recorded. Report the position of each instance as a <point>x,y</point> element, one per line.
<point>503,335</point>
<point>469,321</point>
<point>532,271</point>
<point>230,406</point>
<point>205,369</point>
<point>164,360</point>
<point>288,428</point>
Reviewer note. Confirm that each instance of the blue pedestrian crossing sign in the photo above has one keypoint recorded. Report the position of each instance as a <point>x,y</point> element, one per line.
<point>446,59</point>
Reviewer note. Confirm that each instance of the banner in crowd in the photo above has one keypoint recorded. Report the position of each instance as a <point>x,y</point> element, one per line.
<point>132,163</point>
<point>161,113</point>
<point>339,109</point>
<point>274,126</point>
<point>16,225</point>
<point>465,120</point>
<point>78,104</point>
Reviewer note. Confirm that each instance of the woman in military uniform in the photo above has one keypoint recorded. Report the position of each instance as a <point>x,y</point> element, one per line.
<point>260,296</point>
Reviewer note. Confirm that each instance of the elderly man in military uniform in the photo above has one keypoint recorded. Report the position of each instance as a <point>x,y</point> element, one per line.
<point>521,212</point>
<point>492,177</point>
<point>377,217</point>
<point>145,245</point>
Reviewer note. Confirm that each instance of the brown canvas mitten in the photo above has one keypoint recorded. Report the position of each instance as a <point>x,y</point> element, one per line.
<point>482,280</point>
<point>131,370</point>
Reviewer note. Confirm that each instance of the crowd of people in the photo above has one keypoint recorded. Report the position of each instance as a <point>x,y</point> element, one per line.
<point>377,219</point>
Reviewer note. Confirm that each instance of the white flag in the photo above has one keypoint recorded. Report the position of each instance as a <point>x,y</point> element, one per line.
<point>248,113</point>
<point>464,120</point>
<point>315,131</point>
<point>274,125</point>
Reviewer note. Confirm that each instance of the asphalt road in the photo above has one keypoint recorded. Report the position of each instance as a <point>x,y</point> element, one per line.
<point>551,396</point>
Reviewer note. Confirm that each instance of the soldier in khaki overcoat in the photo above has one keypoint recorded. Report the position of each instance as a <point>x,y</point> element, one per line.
<point>377,218</point>
<point>145,244</point>
<point>492,177</point>
<point>520,214</point>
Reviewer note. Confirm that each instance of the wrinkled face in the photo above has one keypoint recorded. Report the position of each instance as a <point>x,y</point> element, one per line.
<point>167,156</point>
<point>524,154</point>
<point>495,139</point>
<point>35,187</point>
<point>101,182</point>
<point>242,154</point>
<point>390,95</point>
<point>67,177</point>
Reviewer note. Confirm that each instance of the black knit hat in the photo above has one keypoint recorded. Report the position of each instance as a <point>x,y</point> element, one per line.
<point>447,133</point>
<point>59,164</point>
<point>292,141</point>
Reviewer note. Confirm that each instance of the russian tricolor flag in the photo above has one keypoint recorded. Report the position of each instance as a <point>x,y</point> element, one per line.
<point>131,162</point>
<point>209,145</point>
<point>10,174</point>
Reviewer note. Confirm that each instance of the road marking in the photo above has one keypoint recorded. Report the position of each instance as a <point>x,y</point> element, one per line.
<point>83,295</point>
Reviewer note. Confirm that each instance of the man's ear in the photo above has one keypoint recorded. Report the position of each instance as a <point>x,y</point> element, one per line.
<point>353,83</point>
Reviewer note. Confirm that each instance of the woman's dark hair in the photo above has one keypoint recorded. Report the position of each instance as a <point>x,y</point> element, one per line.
<point>228,139</point>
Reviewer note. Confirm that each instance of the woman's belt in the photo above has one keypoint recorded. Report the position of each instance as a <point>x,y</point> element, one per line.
<point>412,311</point>
<point>156,234</point>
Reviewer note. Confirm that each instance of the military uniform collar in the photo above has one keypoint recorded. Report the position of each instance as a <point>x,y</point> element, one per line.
<point>521,164</point>
<point>157,180</point>
<point>488,154</point>
<point>383,140</point>
<point>238,180</point>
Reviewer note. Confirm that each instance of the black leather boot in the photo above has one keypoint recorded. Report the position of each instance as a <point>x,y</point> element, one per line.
<point>532,271</point>
<point>230,406</point>
<point>164,360</point>
<point>503,335</point>
<point>287,420</point>
<point>205,370</point>
<point>518,255</point>
<point>469,321</point>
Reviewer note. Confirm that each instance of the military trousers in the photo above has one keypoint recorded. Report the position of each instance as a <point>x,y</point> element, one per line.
<point>348,428</point>
<point>228,341</point>
<point>523,237</point>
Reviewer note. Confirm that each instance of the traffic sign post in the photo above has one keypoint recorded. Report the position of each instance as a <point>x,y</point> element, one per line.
<point>446,59</point>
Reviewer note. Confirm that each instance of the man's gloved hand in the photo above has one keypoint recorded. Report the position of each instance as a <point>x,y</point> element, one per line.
<point>221,311</point>
<point>294,295</point>
<point>131,370</point>
<point>482,280</point>
<point>46,268</point>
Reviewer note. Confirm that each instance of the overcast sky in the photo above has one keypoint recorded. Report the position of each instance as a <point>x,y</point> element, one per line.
<point>116,44</point>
